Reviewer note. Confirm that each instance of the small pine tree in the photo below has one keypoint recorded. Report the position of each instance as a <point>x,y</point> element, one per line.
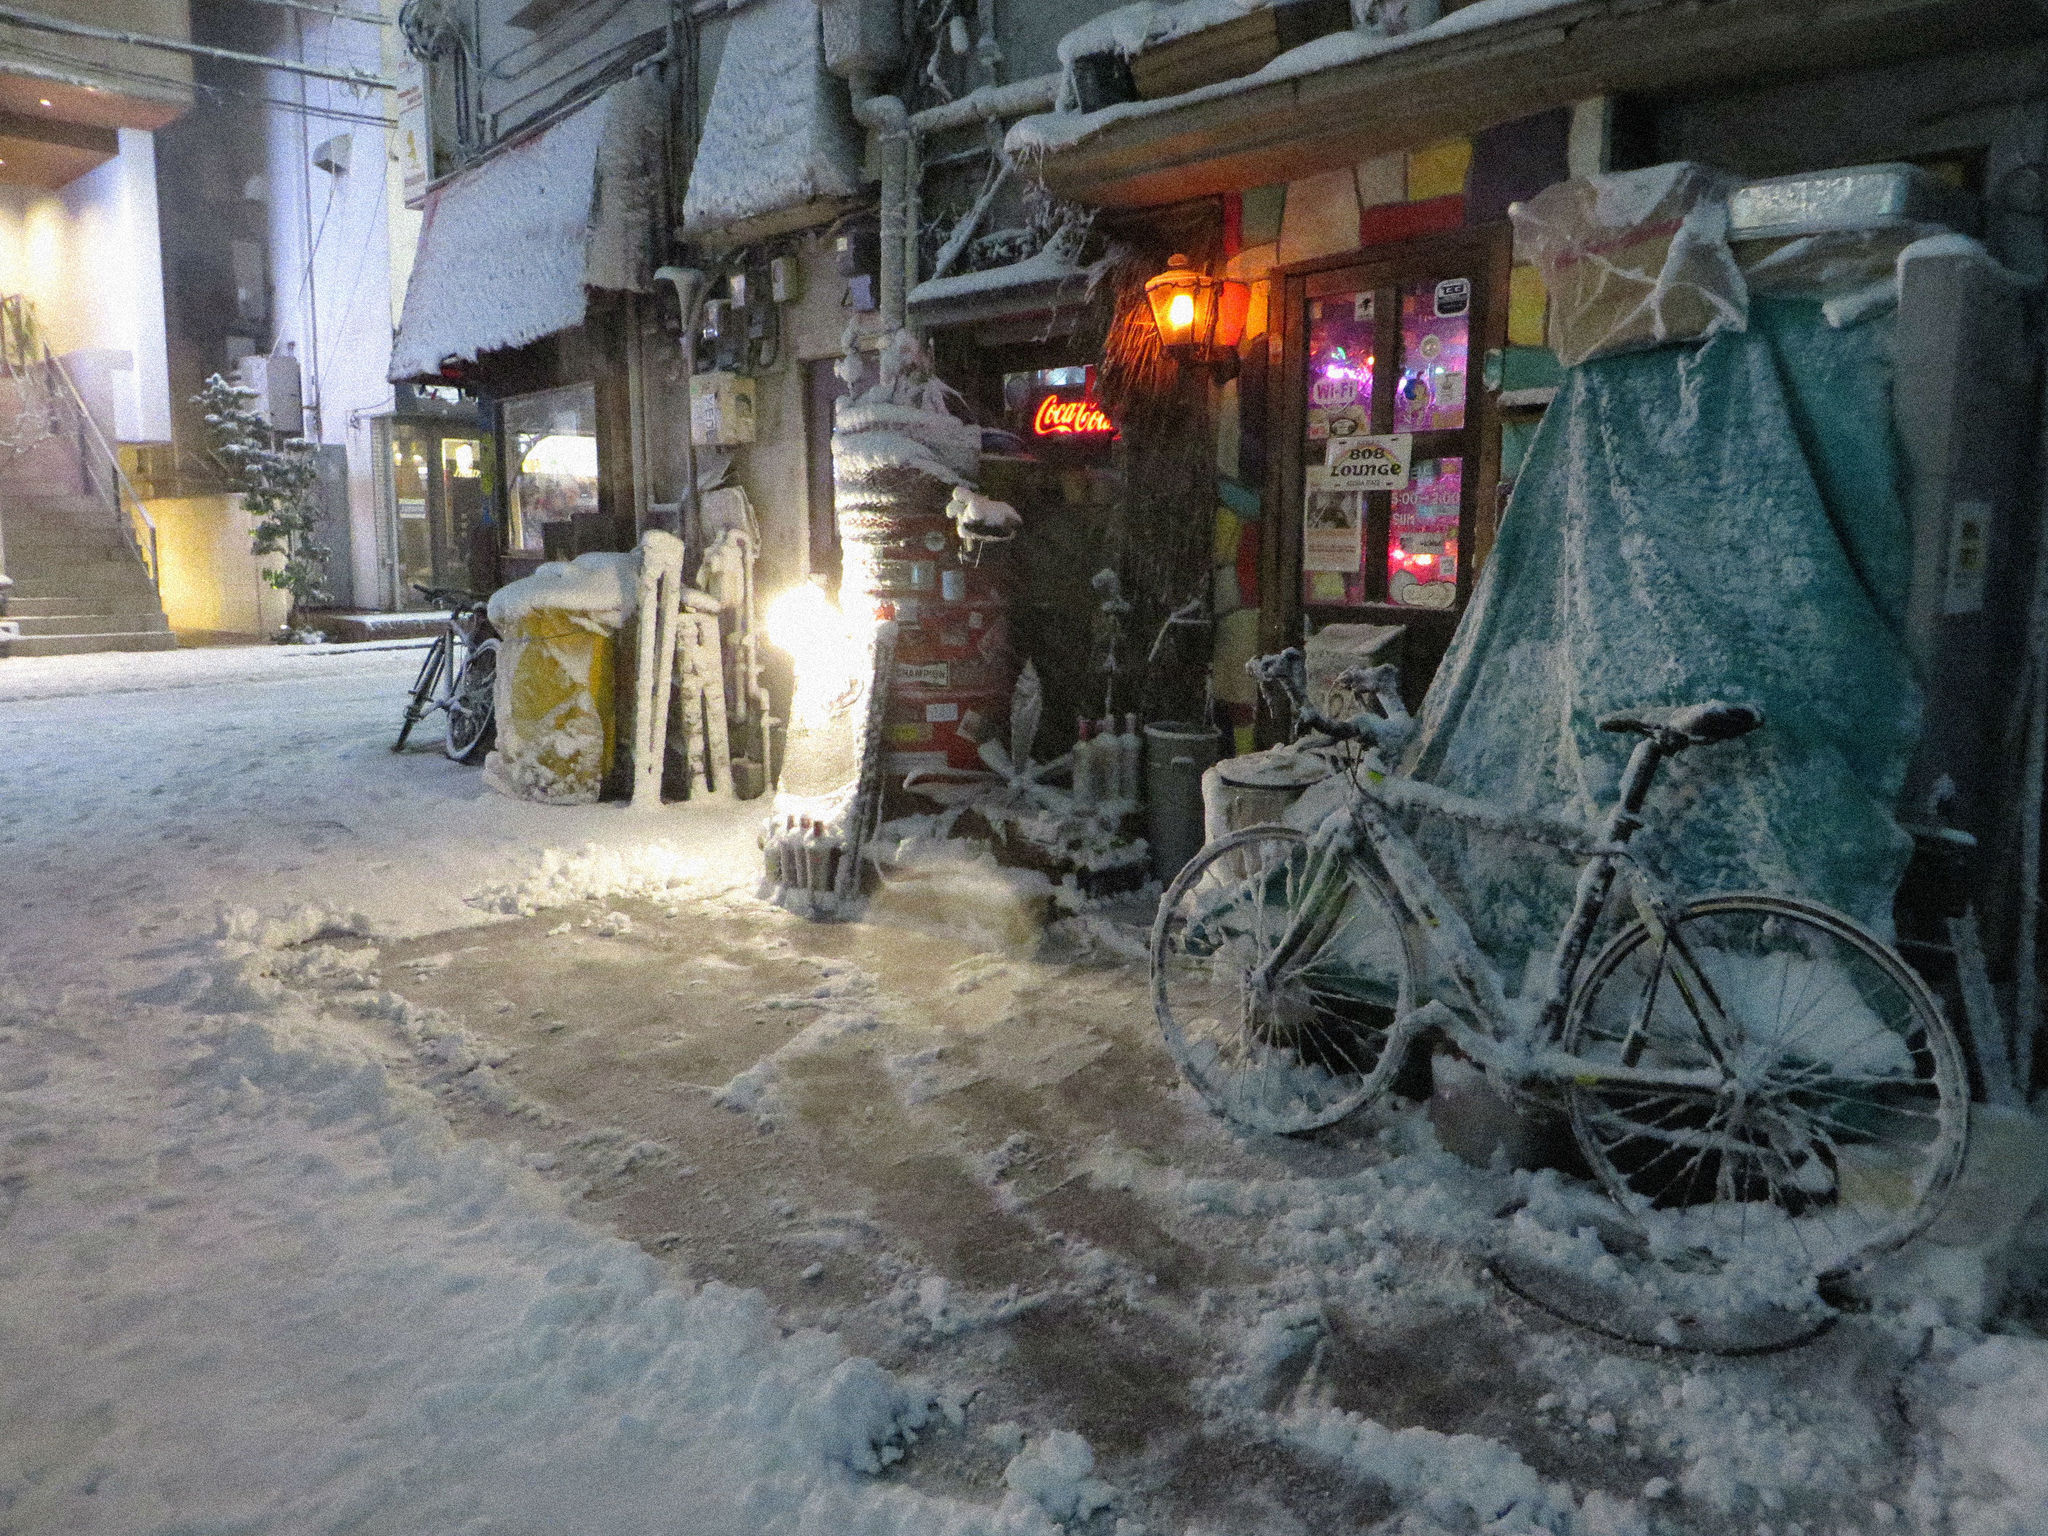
<point>275,476</point>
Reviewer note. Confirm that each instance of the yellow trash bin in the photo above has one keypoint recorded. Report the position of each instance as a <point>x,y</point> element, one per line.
<point>557,667</point>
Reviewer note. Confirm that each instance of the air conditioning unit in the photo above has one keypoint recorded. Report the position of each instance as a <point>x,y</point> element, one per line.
<point>279,399</point>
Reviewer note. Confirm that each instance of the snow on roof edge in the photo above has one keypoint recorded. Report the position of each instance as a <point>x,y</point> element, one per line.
<point>1048,132</point>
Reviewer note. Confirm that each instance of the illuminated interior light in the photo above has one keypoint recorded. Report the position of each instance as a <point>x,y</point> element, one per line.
<point>1180,314</point>
<point>562,453</point>
<point>828,648</point>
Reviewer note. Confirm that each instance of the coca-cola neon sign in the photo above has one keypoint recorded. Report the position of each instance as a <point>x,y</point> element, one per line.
<point>1057,417</point>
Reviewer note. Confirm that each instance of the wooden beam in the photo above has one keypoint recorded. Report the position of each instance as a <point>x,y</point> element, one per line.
<point>37,152</point>
<point>1461,83</point>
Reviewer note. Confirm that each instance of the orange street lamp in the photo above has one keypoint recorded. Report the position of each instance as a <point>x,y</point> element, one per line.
<point>1200,318</point>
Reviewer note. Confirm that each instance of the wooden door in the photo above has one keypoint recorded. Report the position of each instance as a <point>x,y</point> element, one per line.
<point>1381,353</point>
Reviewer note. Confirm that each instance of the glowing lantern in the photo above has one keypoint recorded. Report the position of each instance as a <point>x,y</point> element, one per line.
<point>1200,318</point>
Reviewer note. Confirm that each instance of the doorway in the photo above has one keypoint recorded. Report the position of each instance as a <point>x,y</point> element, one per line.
<point>1388,445</point>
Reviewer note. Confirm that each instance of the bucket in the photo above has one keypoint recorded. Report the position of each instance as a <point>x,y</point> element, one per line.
<point>1257,788</point>
<point>1177,753</point>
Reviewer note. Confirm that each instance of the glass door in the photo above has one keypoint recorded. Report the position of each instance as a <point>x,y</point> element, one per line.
<point>1388,445</point>
<point>460,515</point>
<point>412,484</point>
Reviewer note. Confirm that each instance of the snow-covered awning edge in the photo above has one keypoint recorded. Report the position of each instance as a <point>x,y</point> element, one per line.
<point>1046,281</point>
<point>1049,132</point>
<point>508,246</point>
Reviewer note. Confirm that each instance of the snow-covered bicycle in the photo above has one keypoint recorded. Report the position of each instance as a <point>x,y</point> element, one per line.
<point>1748,1074</point>
<point>459,675</point>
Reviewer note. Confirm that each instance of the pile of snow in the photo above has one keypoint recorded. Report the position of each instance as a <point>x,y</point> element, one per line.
<point>598,590</point>
<point>663,872</point>
<point>1055,1474</point>
<point>1994,1417</point>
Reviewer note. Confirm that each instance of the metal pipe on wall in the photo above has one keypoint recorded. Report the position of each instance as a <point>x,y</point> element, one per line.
<point>888,125</point>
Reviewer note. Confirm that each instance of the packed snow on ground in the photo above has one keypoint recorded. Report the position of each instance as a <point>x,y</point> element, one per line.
<point>257,1273</point>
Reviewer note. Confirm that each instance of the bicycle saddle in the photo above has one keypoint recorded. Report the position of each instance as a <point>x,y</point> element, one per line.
<point>1691,725</point>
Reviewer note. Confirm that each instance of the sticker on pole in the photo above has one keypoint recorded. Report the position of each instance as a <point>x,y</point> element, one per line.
<point>1368,463</point>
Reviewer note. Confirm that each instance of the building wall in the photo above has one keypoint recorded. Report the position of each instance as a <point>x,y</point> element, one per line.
<point>88,256</point>
<point>211,582</point>
<point>329,242</point>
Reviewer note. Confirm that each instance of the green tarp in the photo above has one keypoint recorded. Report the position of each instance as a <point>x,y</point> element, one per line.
<point>1715,521</point>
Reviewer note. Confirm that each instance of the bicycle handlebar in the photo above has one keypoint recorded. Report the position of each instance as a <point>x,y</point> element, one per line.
<point>1286,674</point>
<point>455,597</point>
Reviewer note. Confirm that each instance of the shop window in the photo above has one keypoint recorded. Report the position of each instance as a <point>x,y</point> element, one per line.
<point>550,461</point>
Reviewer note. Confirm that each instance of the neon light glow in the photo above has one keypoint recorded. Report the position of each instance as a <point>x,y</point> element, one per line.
<point>1070,418</point>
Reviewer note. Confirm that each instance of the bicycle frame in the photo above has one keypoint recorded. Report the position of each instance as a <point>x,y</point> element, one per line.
<point>1367,821</point>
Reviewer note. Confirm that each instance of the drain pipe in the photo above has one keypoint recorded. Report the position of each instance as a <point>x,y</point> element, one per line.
<point>690,285</point>
<point>888,126</point>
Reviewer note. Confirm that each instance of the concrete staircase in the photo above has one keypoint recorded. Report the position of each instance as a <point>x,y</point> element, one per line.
<point>78,584</point>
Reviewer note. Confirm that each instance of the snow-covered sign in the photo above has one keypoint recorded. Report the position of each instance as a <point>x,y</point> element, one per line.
<point>1368,463</point>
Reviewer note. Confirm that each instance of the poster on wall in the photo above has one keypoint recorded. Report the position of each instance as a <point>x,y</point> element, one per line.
<point>1340,366</point>
<point>1369,463</point>
<point>1422,537</point>
<point>1332,524</point>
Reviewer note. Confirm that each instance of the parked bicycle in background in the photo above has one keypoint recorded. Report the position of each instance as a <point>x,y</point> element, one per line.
<point>459,677</point>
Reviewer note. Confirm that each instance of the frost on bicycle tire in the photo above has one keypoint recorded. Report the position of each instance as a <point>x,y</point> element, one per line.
<point>1718,520</point>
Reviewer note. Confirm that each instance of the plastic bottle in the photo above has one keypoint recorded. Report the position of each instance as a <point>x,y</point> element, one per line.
<point>810,854</point>
<point>1084,766</point>
<point>786,872</point>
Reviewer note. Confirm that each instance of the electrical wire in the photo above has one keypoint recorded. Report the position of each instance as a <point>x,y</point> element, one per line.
<point>497,68</point>
<point>205,87</point>
<point>37,22</point>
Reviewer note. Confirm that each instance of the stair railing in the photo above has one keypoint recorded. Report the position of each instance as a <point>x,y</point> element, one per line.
<point>104,475</point>
<point>99,461</point>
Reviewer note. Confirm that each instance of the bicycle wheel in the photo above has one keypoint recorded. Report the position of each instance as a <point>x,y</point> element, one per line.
<point>472,705</point>
<point>1309,1047</point>
<point>1845,1109</point>
<point>423,689</point>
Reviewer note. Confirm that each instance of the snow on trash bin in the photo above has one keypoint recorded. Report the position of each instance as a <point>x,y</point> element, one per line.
<point>557,717</point>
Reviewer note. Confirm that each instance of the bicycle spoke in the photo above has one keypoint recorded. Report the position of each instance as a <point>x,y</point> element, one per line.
<point>1304,1040</point>
<point>1850,1111</point>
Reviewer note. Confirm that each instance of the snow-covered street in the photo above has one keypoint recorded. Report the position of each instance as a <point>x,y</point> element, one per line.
<point>380,1154</point>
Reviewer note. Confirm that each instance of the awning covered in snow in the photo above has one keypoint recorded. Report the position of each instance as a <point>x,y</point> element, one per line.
<point>779,149</point>
<point>1037,285</point>
<point>510,246</point>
